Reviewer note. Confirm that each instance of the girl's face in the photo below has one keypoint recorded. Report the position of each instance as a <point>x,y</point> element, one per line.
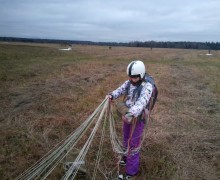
<point>134,79</point>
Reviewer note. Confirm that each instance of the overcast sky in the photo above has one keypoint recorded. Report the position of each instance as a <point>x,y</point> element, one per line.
<point>112,20</point>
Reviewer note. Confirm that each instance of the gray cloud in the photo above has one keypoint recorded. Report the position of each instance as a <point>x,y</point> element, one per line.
<point>121,21</point>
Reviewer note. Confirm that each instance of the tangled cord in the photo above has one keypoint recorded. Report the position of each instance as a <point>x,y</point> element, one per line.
<point>42,168</point>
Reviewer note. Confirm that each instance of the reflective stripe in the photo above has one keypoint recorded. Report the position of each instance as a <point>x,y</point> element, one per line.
<point>130,68</point>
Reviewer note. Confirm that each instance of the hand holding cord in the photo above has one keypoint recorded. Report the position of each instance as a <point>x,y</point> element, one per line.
<point>128,117</point>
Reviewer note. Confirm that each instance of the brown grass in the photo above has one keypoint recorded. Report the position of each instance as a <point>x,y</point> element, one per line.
<point>45,94</point>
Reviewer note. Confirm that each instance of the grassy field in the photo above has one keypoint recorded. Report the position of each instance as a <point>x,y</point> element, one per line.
<point>45,94</point>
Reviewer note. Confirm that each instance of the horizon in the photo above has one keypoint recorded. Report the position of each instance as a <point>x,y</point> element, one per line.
<point>108,41</point>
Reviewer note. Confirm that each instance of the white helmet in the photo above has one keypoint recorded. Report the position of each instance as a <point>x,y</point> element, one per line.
<point>135,68</point>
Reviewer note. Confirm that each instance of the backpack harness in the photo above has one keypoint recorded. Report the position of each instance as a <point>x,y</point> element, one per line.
<point>137,92</point>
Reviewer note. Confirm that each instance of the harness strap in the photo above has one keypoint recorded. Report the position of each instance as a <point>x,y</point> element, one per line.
<point>136,93</point>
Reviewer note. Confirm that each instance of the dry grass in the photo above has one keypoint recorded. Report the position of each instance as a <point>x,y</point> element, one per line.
<point>45,94</point>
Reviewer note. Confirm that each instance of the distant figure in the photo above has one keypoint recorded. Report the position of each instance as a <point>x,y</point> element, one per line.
<point>110,47</point>
<point>209,53</point>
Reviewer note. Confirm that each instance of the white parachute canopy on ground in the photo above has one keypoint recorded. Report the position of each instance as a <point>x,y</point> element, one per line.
<point>66,49</point>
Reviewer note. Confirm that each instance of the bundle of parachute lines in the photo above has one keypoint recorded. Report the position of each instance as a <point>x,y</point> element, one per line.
<point>100,151</point>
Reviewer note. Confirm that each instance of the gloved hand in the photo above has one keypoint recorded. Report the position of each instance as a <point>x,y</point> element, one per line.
<point>128,117</point>
<point>109,97</point>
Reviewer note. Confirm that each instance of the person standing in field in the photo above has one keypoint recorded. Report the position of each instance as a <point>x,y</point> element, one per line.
<point>133,119</point>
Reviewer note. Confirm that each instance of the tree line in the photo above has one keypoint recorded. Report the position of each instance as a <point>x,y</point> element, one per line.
<point>148,44</point>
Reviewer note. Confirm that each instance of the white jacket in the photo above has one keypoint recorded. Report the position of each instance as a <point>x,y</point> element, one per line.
<point>136,106</point>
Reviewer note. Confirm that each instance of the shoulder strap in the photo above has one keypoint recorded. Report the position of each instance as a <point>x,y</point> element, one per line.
<point>136,93</point>
<point>149,78</point>
<point>138,90</point>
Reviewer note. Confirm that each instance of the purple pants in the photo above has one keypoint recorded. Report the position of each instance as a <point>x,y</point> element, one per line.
<point>133,158</point>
